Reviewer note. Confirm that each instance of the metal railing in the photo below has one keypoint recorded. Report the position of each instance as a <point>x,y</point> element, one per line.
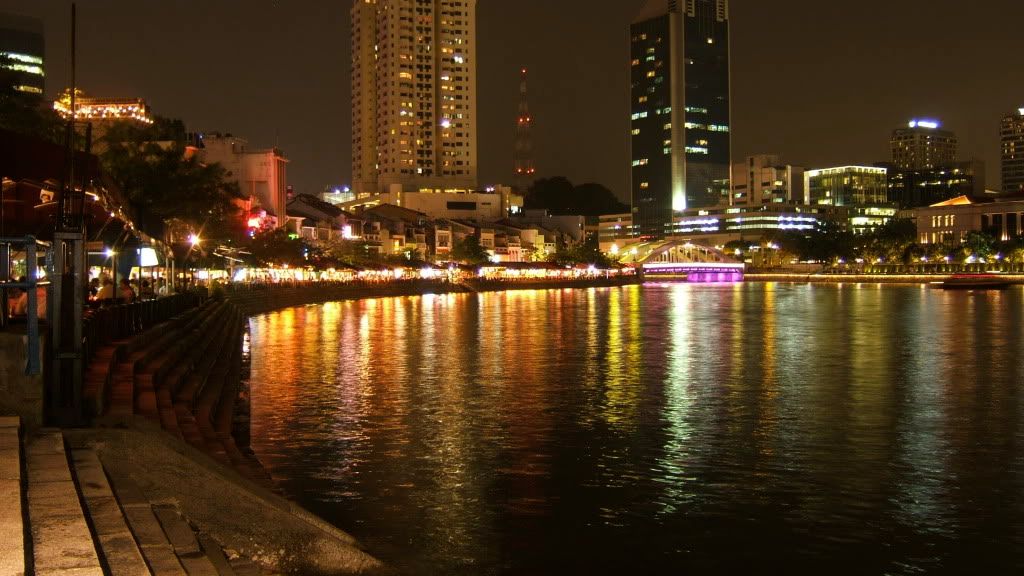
<point>119,321</point>
<point>32,247</point>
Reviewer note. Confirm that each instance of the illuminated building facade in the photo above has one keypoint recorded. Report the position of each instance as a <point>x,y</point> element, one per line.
<point>846,186</point>
<point>1012,136</point>
<point>923,145</point>
<point>764,179</point>
<point>950,221</point>
<point>97,110</point>
<point>680,116</point>
<point>22,50</point>
<point>413,95</point>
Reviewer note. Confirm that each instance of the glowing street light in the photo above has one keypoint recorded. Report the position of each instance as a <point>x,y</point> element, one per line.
<point>194,239</point>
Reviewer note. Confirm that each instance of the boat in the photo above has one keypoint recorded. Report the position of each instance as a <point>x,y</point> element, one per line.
<point>974,282</point>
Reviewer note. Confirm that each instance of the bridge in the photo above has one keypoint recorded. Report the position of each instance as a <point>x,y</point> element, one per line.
<point>676,258</point>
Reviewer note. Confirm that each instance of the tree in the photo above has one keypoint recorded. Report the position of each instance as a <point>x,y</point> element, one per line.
<point>560,197</point>
<point>588,252</point>
<point>27,113</point>
<point>470,251</point>
<point>150,165</point>
<point>277,246</point>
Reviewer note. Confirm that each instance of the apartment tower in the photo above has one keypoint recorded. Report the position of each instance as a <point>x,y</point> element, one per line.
<point>413,95</point>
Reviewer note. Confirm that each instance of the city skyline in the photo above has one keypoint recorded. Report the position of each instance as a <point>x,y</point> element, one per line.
<point>790,96</point>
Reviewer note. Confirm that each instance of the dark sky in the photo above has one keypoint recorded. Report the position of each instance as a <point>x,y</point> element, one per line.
<point>821,82</point>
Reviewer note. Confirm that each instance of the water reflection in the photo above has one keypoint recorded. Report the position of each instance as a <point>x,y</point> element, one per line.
<point>713,428</point>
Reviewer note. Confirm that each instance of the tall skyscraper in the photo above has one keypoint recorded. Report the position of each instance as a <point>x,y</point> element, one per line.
<point>523,157</point>
<point>413,95</point>
<point>1012,135</point>
<point>21,54</point>
<point>923,145</point>
<point>680,145</point>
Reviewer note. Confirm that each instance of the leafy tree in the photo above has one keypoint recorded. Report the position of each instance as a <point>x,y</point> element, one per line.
<point>560,197</point>
<point>589,252</point>
<point>278,247</point>
<point>27,113</point>
<point>150,165</point>
<point>470,251</point>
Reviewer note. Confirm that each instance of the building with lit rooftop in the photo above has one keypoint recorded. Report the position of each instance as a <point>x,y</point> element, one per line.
<point>950,221</point>
<point>679,106</point>
<point>100,110</point>
<point>923,145</point>
<point>414,115</point>
<point>22,54</point>
<point>1012,136</point>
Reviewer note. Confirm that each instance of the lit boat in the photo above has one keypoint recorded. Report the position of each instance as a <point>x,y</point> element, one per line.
<point>974,282</point>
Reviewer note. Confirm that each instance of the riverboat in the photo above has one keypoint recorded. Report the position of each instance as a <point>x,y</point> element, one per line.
<point>974,282</point>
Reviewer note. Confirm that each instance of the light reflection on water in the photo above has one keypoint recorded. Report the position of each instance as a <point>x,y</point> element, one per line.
<point>844,429</point>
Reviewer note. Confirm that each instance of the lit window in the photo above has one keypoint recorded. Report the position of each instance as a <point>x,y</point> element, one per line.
<point>636,131</point>
<point>650,74</point>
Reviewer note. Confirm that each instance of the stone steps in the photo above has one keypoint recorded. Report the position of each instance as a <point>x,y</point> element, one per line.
<point>60,536</point>
<point>66,516</point>
<point>183,375</point>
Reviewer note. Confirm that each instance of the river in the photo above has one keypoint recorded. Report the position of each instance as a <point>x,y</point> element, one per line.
<point>703,429</point>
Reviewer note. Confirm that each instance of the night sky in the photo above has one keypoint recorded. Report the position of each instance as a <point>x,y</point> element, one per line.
<point>822,83</point>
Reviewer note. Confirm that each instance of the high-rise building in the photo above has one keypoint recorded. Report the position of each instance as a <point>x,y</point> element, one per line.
<point>923,145</point>
<point>22,51</point>
<point>679,100</point>
<point>764,179</point>
<point>1012,135</point>
<point>413,95</point>
<point>846,186</point>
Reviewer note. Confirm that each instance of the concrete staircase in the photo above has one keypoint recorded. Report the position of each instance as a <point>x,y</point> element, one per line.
<point>61,514</point>
<point>183,374</point>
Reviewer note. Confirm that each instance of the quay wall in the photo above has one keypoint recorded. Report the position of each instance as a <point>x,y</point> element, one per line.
<point>262,298</point>
<point>863,278</point>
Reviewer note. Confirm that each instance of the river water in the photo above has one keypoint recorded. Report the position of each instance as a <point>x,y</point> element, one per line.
<point>701,429</point>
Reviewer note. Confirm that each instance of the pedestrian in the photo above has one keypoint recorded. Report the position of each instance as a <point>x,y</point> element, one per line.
<point>126,293</point>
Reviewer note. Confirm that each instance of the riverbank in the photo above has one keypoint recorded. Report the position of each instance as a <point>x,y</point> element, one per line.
<point>254,299</point>
<point>863,278</point>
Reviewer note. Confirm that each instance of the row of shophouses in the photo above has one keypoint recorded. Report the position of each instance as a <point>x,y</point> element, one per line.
<point>387,229</point>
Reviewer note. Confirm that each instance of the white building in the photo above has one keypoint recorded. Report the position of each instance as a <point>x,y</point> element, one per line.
<point>478,206</point>
<point>413,95</point>
<point>261,174</point>
<point>764,179</point>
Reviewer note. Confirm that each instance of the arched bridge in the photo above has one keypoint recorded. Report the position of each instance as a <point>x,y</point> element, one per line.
<point>674,258</point>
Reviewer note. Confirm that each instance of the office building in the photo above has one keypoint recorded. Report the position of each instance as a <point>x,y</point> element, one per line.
<point>22,54</point>
<point>846,186</point>
<point>913,188</point>
<point>413,95</point>
<point>923,145</point>
<point>679,106</point>
<point>1012,135</point>
<point>764,179</point>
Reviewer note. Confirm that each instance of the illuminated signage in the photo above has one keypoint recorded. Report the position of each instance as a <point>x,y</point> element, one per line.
<point>929,124</point>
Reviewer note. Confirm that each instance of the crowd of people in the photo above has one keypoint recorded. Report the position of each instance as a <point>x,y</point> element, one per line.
<point>102,290</point>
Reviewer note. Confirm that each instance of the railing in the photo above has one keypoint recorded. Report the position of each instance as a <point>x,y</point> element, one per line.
<point>32,247</point>
<point>118,321</point>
